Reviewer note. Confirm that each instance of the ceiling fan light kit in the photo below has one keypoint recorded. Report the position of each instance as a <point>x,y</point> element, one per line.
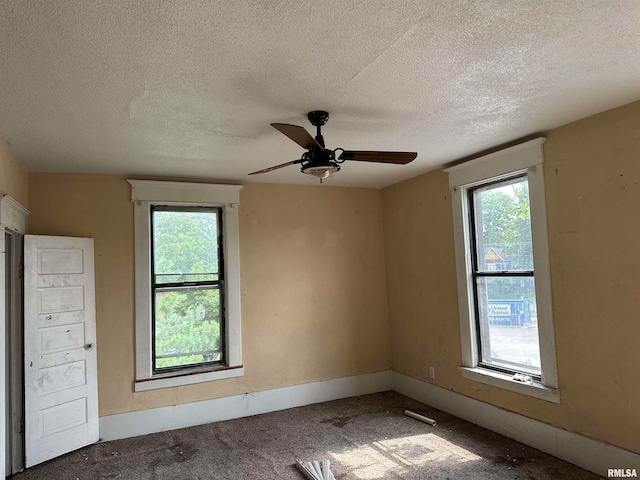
<point>321,162</point>
<point>321,171</point>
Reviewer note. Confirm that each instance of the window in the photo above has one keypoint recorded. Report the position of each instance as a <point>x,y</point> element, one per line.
<point>503,271</point>
<point>187,283</point>
<point>504,299</point>
<point>186,286</point>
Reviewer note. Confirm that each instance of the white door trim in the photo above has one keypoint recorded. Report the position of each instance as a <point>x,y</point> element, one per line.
<point>13,217</point>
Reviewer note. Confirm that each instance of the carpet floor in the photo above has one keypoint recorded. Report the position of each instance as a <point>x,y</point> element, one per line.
<point>366,437</point>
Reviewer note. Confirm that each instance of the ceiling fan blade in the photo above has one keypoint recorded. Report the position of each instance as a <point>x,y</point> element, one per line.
<point>298,135</point>
<point>380,157</point>
<point>271,169</point>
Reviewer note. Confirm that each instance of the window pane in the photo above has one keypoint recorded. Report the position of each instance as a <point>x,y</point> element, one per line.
<point>185,246</point>
<point>509,323</point>
<point>503,226</point>
<point>187,327</point>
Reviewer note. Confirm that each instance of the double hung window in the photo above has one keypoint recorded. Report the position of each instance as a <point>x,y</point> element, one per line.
<point>503,277</point>
<point>187,273</point>
<point>187,292</point>
<point>502,263</point>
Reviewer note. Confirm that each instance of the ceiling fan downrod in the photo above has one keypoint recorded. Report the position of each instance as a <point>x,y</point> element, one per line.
<point>317,118</point>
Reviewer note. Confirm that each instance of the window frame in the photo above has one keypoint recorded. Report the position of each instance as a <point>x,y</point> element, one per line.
<point>177,286</point>
<point>148,193</point>
<point>501,165</point>
<point>477,272</point>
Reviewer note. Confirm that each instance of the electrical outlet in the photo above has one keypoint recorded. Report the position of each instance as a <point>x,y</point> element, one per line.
<point>432,372</point>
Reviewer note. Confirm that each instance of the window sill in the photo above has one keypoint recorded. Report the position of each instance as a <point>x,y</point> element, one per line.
<point>174,379</point>
<point>501,380</point>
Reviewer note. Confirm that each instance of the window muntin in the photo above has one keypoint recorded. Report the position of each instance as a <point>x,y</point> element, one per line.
<point>187,288</point>
<point>504,293</point>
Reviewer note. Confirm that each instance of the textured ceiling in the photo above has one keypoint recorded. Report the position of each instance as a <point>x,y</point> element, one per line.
<point>188,88</point>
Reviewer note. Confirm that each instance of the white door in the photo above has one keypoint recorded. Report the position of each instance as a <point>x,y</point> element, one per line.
<point>61,386</point>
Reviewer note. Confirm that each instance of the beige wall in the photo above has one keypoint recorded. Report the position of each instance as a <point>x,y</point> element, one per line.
<point>592,176</point>
<point>13,176</point>
<point>312,278</point>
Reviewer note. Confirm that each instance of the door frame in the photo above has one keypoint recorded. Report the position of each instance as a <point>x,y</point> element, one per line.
<point>13,218</point>
<point>15,350</point>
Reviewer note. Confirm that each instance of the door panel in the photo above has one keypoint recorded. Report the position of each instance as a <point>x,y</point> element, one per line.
<point>60,338</point>
<point>58,261</point>
<point>61,391</point>
<point>64,416</point>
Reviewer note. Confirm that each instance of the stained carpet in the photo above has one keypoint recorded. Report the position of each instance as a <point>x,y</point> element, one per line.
<point>365,437</point>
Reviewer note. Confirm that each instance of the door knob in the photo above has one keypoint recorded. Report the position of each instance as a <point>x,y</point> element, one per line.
<point>89,346</point>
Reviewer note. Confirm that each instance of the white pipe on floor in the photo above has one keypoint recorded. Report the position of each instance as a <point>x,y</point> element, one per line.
<point>422,418</point>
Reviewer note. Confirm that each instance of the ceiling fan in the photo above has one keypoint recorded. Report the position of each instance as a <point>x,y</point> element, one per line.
<point>320,161</point>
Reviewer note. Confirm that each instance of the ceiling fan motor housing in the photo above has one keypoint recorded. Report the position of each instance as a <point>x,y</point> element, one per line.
<point>318,117</point>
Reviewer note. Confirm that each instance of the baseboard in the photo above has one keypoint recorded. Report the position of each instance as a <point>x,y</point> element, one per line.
<point>587,453</point>
<point>131,424</point>
<point>590,454</point>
